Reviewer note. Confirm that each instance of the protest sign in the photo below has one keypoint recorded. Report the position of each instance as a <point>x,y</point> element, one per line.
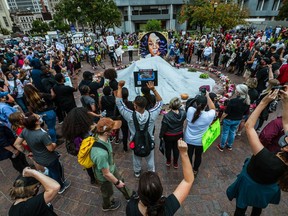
<point>211,135</point>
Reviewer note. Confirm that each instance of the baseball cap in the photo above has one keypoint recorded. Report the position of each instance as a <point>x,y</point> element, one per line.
<point>107,124</point>
<point>26,181</point>
<point>283,140</point>
<point>3,94</point>
<point>87,74</point>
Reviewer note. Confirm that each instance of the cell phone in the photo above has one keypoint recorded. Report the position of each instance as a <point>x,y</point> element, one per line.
<point>278,87</point>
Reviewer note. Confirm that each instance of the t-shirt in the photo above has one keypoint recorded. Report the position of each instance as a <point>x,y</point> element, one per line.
<point>262,77</point>
<point>265,167</point>
<point>194,131</point>
<point>283,76</point>
<point>102,159</point>
<point>37,140</point>
<point>170,207</point>
<point>65,96</point>
<point>108,103</point>
<point>87,101</point>
<point>34,206</point>
<point>236,108</point>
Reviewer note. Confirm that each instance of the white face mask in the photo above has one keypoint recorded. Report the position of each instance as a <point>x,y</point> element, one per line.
<point>40,120</point>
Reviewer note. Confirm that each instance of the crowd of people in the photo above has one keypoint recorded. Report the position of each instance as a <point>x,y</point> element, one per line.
<point>35,98</point>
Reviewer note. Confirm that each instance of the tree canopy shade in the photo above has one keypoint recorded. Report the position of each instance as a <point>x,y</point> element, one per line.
<point>283,11</point>
<point>153,25</point>
<point>40,27</point>
<point>202,13</point>
<point>98,13</point>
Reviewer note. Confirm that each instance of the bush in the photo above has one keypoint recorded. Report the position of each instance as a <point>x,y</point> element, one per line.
<point>192,70</point>
<point>153,25</point>
<point>204,76</point>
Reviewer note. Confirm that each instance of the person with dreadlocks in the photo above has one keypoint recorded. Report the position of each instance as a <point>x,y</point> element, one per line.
<point>265,173</point>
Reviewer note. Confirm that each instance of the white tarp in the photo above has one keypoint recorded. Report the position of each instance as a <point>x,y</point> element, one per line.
<point>171,81</point>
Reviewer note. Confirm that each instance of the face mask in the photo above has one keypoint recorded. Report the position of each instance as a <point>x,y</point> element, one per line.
<point>11,79</point>
<point>41,120</point>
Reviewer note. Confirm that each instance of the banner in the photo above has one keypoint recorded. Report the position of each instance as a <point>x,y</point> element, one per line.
<point>211,135</point>
<point>60,46</point>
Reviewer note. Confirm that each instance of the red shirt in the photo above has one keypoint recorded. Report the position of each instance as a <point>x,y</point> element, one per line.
<point>283,76</point>
<point>18,132</point>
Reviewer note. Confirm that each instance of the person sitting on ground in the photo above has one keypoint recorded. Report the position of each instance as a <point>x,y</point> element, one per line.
<point>263,175</point>
<point>24,192</point>
<point>151,201</point>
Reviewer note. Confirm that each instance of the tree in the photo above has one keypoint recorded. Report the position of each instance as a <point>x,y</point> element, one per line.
<point>153,25</point>
<point>58,24</point>
<point>283,12</point>
<point>202,13</point>
<point>4,31</point>
<point>40,27</point>
<point>98,13</point>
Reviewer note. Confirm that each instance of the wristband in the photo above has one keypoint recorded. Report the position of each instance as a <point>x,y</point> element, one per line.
<point>117,183</point>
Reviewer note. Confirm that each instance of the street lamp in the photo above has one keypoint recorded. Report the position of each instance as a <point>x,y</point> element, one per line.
<point>215,5</point>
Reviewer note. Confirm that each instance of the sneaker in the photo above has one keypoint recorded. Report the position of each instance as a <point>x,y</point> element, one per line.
<point>60,123</point>
<point>195,173</point>
<point>229,148</point>
<point>133,196</point>
<point>220,148</point>
<point>168,163</point>
<point>239,134</point>
<point>114,205</point>
<point>175,165</point>
<point>92,181</point>
<point>117,142</point>
<point>137,174</point>
<point>64,187</point>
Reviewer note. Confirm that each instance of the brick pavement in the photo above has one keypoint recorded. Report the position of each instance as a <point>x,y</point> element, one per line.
<point>207,197</point>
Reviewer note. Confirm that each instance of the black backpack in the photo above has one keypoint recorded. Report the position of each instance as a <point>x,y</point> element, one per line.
<point>142,139</point>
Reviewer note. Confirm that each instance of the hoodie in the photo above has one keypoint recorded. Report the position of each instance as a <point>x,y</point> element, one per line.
<point>142,118</point>
<point>172,123</point>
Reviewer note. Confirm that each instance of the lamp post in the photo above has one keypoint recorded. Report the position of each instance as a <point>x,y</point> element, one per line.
<point>215,5</point>
<point>81,20</point>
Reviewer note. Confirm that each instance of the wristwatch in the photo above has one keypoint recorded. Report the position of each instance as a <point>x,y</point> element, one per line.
<point>117,183</point>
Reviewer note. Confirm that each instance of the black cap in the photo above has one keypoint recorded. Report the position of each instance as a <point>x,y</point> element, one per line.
<point>87,74</point>
<point>27,181</point>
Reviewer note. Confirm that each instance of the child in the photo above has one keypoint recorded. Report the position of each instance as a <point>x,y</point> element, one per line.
<point>16,120</point>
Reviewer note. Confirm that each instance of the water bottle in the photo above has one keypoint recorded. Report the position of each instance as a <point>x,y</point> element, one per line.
<point>103,114</point>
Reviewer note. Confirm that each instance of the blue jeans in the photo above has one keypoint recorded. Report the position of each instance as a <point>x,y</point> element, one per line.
<point>49,117</point>
<point>228,132</point>
<point>21,103</point>
<point>56,171</point>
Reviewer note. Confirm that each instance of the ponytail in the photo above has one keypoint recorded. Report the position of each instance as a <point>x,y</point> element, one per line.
<point>156,209</point>
<point>197,113</point>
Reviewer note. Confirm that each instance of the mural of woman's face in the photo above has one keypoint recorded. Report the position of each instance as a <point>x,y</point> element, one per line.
<point>153,44</point>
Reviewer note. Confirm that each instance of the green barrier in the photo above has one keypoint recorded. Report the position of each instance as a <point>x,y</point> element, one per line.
<point>211,135</point>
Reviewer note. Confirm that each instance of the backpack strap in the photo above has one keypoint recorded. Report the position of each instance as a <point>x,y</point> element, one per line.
<point>100,145</point>
<point>136,123</point>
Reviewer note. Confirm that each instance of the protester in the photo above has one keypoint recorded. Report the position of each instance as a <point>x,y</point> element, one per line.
<point>172,130</point>
<point>151,200</point>
<point>25,194</point>
<point>264,174</point>
<point>198,121</point>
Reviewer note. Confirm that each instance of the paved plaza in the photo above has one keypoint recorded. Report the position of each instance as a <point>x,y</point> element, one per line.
<point>207,197</point>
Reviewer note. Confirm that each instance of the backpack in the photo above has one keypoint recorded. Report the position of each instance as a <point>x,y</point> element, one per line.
<point>142,140</point>
<point>84,158</point>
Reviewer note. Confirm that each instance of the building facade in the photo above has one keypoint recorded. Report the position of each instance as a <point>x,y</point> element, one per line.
<point>5,20</point>
<point>24,5</point>
<point>135,14</point>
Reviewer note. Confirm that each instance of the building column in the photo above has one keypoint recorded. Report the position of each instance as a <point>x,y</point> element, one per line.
<point>129,18</point>
<point>171,15</point>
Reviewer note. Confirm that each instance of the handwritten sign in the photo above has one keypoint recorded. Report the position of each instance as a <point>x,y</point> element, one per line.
<point>110,40</point>
<point>211,135</point>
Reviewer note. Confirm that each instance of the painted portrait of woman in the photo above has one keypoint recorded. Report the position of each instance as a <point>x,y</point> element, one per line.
<point>153,44</point>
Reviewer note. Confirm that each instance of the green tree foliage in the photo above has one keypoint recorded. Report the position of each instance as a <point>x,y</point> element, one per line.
<point>153,25</point>
<point>283,12</point>
<point>40,27</point>
<point>58,24</point>
<point>4,31</point>
<point>201,13</point>
<point>103,14</point>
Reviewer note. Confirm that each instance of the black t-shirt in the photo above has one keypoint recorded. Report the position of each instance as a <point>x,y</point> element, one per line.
<point>262,77</point>
<point>108,103</point>
<point>265,167</point>
<point>34,206</point>
<point>65,96</point>
<point>236,108</point>
<point>57,68</point>
<point>171,206</point>
<point>253,94</point>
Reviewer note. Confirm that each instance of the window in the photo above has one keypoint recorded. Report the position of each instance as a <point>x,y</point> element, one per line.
<point>6,21</point>
<point>259,5</point>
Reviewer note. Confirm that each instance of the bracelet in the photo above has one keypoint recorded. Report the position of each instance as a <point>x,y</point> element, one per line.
<point>117,183</point>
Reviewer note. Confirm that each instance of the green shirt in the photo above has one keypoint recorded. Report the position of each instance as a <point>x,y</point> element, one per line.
<point>102,160</point>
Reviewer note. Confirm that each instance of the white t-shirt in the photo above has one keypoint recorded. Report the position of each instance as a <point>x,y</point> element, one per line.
<point>194,131</point>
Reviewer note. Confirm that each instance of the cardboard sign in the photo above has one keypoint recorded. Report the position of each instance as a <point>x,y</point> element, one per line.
<point>110,40</point>
<point>60,46</point>
<point>211,135</point>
